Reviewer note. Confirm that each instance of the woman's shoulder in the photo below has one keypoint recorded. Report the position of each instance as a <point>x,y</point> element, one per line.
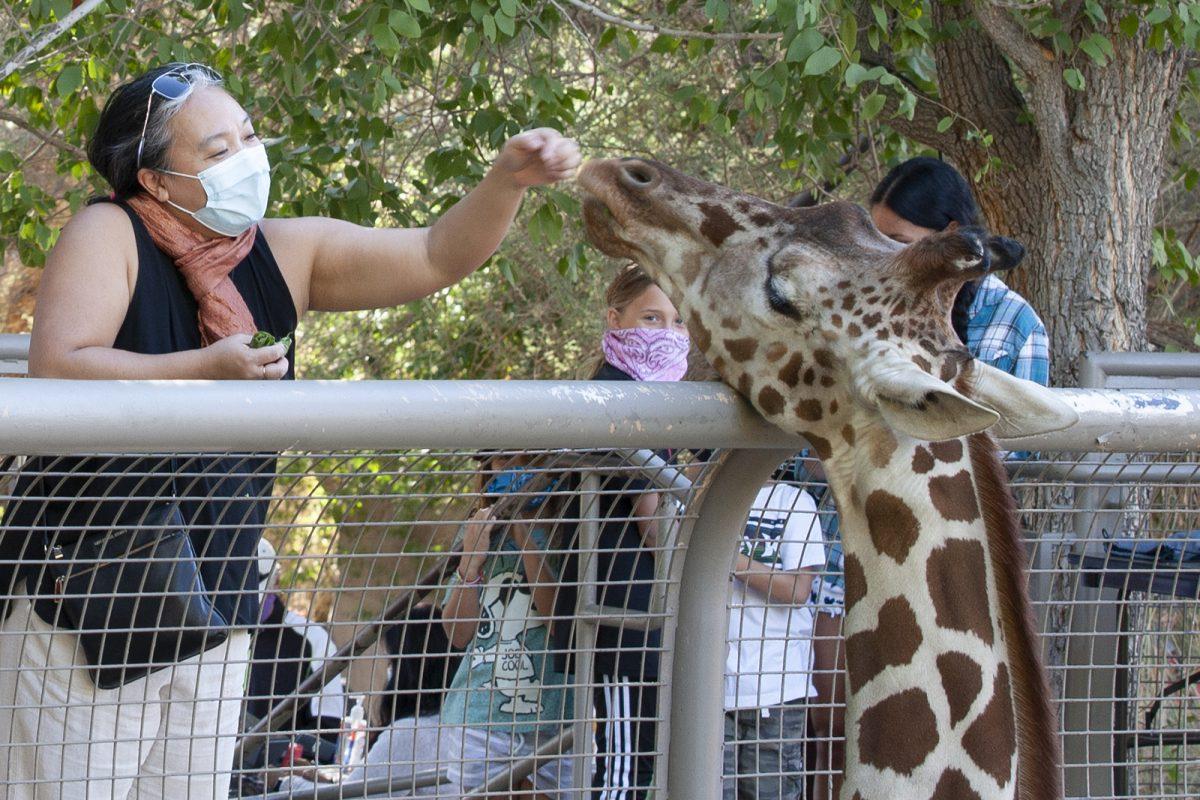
<point>98,222</point>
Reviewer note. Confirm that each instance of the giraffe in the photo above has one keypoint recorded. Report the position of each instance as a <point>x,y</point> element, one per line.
<point>837,333</point>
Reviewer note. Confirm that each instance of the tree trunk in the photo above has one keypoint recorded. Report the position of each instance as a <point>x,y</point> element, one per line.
<point>1081,196</point>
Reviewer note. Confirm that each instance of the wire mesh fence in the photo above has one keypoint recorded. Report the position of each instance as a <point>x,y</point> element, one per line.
<point>489,623</point>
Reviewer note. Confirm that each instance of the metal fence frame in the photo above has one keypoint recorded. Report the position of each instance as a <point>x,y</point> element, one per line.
<point>52,417</point>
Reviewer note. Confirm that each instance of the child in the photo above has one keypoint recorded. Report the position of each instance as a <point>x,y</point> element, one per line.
<point>768,669</point>
<point>507,693</point>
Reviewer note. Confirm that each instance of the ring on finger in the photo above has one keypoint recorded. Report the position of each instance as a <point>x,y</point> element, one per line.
<point>264,372</point>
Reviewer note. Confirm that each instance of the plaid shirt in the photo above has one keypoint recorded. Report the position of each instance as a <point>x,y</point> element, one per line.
<point>1005,332</point>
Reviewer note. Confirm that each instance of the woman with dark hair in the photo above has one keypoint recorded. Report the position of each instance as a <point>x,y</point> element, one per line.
<point>925,195</point>
<point>168,278</point>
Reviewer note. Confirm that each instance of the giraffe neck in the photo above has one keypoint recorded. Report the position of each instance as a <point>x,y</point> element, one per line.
<point>929,701</point>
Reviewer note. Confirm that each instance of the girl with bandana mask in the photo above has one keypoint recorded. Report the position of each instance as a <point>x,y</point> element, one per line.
<point>645,340</point>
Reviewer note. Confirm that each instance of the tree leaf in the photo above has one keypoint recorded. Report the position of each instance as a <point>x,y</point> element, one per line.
<point>822,61</point>
<point>944,124</point>
<point>69,80</point>
<point>404,24</point>
<point>1074,79</point>
<point>873,105</point>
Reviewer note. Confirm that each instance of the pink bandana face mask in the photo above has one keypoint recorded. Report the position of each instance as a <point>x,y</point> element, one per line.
<point>647,354</point>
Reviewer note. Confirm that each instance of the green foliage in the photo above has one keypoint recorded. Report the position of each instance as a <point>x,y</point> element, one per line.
<point>386,113</point>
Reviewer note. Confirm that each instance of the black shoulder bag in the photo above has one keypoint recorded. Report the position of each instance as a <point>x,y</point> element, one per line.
<point>134,595</point>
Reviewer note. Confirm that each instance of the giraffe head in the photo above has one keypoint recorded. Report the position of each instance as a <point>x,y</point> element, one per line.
<point>819,320</point>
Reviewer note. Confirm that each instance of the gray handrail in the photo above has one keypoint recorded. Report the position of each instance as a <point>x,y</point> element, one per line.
<point>52,416</point>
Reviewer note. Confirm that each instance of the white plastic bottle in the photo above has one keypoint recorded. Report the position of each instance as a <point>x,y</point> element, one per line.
<point>352,743</point>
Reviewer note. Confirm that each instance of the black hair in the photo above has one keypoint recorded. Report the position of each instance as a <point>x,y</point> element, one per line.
<point>932,194</point>
<point>423,664</point>
<point>113,148</point>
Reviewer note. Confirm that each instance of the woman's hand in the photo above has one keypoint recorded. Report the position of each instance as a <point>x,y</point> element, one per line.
<point>537,157</point>
<point>233,358</point>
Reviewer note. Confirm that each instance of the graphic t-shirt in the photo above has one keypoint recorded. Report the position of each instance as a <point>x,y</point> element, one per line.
<point>770,644</point>
<point>507,679</point>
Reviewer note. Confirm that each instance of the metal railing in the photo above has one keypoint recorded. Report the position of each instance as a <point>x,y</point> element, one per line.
<point>374,484</point>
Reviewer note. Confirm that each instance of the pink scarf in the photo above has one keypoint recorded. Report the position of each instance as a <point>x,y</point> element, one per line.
<point>205,264</point>
<point>647,354</point>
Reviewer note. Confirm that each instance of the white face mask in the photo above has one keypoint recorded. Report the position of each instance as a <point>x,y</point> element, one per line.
<point>237,190</point>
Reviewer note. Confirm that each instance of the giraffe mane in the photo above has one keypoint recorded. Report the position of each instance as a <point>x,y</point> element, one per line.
<point>1038,749</point>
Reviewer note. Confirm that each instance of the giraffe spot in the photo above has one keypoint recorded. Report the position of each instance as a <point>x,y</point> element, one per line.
<point>883,444</point>
<point>741,350</point>
<point>731,323</point>
<point>836,319</point>
<point>892,524</point>
<point>898,733</point>
<point>962,679</point>
<point>848,302</point>
<point>776,351</point>
<point>856,580</point>
<point>700,334</point>
<point>810,375</point>
<point>809,410</point>
<point>954,497</point>
<point>923,363</point>
<point>719,365</point>
<point>948,371</point>
<point>873,319</point>
<point>762,219</point>
<point>955,576</point>
<point>823,358</point>
<point>881,334</point>
<point>819,443</point>
<point>744,385</point>
<point>827,302</point>
<point>953,785</point>
<point>991,741</point>
<point>790,373</point>
<point>827,381</point>
<point>922,460</point>
<point>898,329</point>
<point>717,225</point>
<point>691,267</point>
<point>843,284</point>
<point>950,451</point>
<point>743,206</point>
<point>853,329</point>
<point>833,407</point>
<point>770,401</point>
<point>848,434</point>
<point>929,346</point>
<point>892,643</point>
<point>900,307</point>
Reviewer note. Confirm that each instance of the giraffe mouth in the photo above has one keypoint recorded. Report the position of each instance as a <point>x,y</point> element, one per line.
<point>603,229</point>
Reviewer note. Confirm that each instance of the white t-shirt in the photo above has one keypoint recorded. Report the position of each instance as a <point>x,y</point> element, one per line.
<point>769,659</point>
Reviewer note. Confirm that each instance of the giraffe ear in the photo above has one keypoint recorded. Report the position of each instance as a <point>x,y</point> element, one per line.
<point>917,404</point>
<point>1026,408</point>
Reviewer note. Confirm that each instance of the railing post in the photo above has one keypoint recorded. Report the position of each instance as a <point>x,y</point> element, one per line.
<point>702,624</point>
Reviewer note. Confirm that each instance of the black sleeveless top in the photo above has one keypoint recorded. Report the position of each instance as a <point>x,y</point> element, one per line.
<point>224,499</point>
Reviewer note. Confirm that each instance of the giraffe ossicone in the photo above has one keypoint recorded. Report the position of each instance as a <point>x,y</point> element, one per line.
<point>837,333</point>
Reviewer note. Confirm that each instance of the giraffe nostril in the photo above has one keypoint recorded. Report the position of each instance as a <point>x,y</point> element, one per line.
<point>638,175</point>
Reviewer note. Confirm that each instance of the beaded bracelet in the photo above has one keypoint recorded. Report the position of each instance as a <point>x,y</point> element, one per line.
<point>463,579</point>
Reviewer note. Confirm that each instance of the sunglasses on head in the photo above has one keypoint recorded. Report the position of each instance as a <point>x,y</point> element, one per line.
<point>174,84</point>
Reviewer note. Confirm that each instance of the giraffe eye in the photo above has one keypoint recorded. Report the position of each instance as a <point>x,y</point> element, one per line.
<point>779,303</point>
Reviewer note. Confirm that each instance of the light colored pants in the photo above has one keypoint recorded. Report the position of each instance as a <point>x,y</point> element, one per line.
<point>478,755</point>
<point>170,734</point>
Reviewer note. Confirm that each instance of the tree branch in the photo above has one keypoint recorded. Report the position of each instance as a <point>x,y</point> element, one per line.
<point>680,34</point>
<point>1014,41</point>
<point>47,35</point>
<point>48,138</point>
<point>1046,95</point>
